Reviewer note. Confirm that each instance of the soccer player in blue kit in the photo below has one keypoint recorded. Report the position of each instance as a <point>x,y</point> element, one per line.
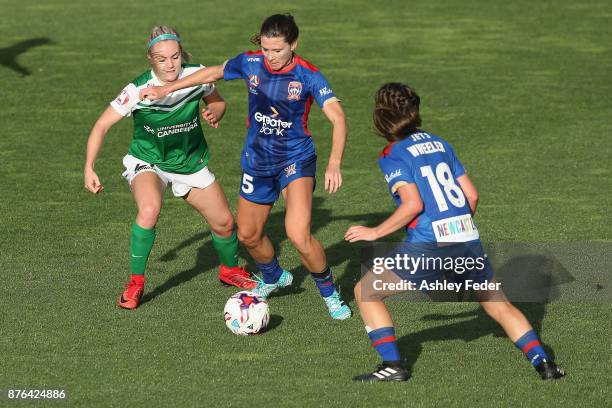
<point>435,200</point>
<point>279,154</point>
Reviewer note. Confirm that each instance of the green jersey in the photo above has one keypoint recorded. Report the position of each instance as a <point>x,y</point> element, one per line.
<point>167,132</point>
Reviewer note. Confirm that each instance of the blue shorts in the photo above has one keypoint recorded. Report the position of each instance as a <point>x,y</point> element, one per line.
<point>430,263</point>
<point>266,189</point>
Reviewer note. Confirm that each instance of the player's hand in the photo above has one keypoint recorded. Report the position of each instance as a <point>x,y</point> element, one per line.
<point>92,182</point>
<point>210,118</point>
<point>333,177</point>
<point>153,93</point>
<point>360,233</point>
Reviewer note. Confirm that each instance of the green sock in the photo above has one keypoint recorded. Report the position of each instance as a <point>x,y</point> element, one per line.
<point>141,244</point>
<point>227,249</point>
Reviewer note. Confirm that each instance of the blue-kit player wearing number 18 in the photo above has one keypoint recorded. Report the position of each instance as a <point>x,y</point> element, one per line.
<point>435,202</point>
<point>279,154</point>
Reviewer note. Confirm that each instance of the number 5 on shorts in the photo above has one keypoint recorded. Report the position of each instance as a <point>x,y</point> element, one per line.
<point>247,183</point>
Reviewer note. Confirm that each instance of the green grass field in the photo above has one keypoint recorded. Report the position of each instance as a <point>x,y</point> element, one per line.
<point>521,89</point>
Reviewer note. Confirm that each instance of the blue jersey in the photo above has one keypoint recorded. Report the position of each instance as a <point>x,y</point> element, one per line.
<point>279,103</point>
<point>430,162</point>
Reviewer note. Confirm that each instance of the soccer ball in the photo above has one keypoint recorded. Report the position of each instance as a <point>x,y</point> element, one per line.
<point>246,313</point>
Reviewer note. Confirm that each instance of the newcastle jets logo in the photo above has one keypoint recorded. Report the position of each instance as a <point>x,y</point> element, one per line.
<point>294,90</point>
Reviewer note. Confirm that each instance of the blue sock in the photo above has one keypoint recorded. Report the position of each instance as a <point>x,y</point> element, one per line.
<point>324,281</point>
<point>385,342</point>
<point>530,344</point>
<point>271,271</point>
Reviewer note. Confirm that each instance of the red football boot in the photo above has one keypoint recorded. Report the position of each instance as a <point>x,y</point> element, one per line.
<point>130,298</point>
<point>237,276</point>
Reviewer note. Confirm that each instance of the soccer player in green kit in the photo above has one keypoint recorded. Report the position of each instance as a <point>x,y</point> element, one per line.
<point>168,147</point>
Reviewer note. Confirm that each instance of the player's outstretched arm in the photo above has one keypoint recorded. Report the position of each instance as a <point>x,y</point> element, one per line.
<point>203,76</point>
<point>469,190</point>
<point>94,143</point>
<point>411,206</point>
<point>333,176</point>
<point>214,110</point>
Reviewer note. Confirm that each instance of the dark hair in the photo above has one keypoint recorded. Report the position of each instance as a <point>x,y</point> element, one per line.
<point>278,25</point>
<point>396,113</point>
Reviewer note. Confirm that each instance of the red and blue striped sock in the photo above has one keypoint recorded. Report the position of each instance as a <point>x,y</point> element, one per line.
<point>530,344</point>
<point>271,271</point>
<point>324,281</point>
<point>385,342</point>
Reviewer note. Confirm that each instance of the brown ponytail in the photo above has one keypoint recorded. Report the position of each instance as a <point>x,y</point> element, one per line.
<point>396,113</point>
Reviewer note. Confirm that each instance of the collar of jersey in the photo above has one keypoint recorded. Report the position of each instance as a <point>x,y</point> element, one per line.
<point>284,70</point>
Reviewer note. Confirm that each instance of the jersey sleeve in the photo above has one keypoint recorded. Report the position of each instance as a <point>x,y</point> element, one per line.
<point>455,165</point>
<point>126,101</point>
<point>233,68</point>
<point>397,173</point>
<point>321,90</point>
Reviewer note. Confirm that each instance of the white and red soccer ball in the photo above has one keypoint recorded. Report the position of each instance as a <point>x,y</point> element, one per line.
<point>246,313</point>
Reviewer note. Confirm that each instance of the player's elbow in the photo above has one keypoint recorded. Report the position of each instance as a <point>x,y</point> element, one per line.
<point>101,127</point>
<point>412,209</point>
<point>473,200</point>
<point>417,206</point>
<point>472,196</point>
<point>339,121</point>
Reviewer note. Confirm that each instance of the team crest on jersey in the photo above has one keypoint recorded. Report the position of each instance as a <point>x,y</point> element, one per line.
<point>123,98</point>
<point>294,91</point>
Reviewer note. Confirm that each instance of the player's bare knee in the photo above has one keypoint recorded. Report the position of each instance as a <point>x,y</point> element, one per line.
<point>489,308</point>
<point>249,238</point>
<point>301,240</point>
<point>357,292</point>
<point>496,310</point>
<point>223,227</point>
<point>148,215</point>
<point>375,296</point>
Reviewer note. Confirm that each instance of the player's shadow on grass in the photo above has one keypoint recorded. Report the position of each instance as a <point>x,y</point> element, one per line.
<point>9,55</point>
<point>275,321</point>
<point>275,228</point>
<point>206,259</point>
<point>480,323</point>
<point>336,253</point>
<point>478,326</point>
